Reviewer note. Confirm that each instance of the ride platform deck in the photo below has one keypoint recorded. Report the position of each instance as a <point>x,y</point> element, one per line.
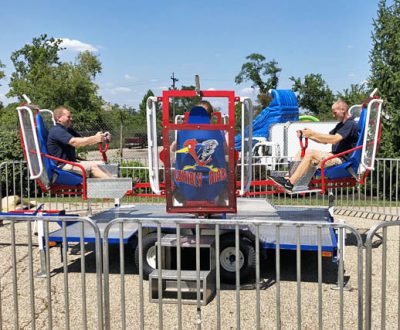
<point>248,210</point>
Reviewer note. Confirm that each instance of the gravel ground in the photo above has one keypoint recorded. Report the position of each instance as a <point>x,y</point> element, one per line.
<point>288,289</point>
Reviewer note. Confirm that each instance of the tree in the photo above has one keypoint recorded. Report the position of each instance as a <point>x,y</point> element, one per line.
<point>182,104</point>
<point>2,74</point>
<point>314,95</point>
<point>141,119</point>
<point>254,70</point>
<point>142,106</point>
<point>41,75</point>
<point>33,67</point>
<point>385,72</point>
<point>355,95</point>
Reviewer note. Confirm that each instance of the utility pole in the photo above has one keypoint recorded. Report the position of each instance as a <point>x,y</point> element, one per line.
<point>174,80</point>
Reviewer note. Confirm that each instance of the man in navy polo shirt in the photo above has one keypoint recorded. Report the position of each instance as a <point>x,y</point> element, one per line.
<point>343,137</point>
<point>62,141</point>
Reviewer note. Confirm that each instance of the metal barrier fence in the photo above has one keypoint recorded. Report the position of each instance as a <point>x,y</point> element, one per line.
<point>287,289</point>
<point>382,287</point>
<point>54,298</point>
<point>378,198</point>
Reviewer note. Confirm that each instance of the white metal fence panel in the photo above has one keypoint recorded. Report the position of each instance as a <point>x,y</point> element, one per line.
<point>382,287</point>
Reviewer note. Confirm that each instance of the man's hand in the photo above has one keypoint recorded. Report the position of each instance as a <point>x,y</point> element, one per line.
<point>99,137</point>
<point>307,133</point>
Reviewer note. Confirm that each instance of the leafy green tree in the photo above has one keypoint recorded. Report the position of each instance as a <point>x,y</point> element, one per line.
<point>33,67</point>
<point>141,118</point>
<point>49,82</point>
<point>264,75</point>
<point>9,118</point>
<point>385,72</point>
<point>356,94</point>
<point>141,115</point>
<point>314,95</point>
<point>178,106</point>
<point>2,74</point>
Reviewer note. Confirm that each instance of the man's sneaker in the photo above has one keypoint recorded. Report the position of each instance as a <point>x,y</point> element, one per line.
<point>280,180</point>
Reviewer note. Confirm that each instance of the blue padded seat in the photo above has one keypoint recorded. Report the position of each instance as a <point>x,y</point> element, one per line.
<point>204,158</point>
<point>55,174</point>
<point>341,171</point>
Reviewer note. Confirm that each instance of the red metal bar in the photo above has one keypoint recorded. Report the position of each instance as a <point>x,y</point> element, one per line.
<point>169,127</point>
<point>332,157</point>
<point>84,184</point>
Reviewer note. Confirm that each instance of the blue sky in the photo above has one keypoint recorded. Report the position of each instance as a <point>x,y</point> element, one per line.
<point>140,43</point>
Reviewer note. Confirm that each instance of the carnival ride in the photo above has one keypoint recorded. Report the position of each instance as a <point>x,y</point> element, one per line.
<point>199,179</point>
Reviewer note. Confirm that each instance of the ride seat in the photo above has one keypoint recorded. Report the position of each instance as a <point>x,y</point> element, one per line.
<point>350,167</point>
<point>55,174</point>
<point>200,168</point>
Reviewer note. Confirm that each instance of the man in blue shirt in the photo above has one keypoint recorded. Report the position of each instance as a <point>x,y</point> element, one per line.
<point>62,142</point>
<point>343,137</point>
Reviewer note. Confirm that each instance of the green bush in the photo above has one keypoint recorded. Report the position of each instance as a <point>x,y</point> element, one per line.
<point>10,150</point>
<point>10,145</point>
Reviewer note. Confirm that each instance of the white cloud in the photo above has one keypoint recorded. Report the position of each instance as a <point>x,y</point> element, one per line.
<point>162,88</point>
<point>120,90</point>
<point>153,80</point>
<point>211,89</point>
<point>77,46</point>
<point>128,77</point>
<point>351,75</point>
<point>349,46</point>
<point>247,91</point>
<point>116,90</point>
<point>219,105</point>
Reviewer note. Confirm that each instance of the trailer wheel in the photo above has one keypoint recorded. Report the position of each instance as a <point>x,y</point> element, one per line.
<point>149,254</point>
<point>227,259</point>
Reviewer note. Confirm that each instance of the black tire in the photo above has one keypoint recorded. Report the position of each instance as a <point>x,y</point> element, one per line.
<point>149,254</point>
<point>228,259</point>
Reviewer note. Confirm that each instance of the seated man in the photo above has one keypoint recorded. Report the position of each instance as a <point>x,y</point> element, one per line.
<point>62,141</point>
<point>209,108</point>
<point>343,137</point>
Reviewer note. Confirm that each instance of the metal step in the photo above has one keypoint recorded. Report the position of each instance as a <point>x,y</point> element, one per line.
<point>169,280</point>
<point>108,188</point>
<point>170,240</point>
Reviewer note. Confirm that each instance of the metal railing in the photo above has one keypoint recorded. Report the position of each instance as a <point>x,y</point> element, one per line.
<point>382,286</point>
<point>285,290</point>
<point>38,290</point>
<point>377,198</point>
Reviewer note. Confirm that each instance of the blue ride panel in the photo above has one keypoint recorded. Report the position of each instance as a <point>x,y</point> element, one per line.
<point>282,108</point>
<point>55,174</point>
<point>200,171</point>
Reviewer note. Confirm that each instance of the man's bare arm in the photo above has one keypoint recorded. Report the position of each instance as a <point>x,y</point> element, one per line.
<point>86,141</point>
<point>321,137</point>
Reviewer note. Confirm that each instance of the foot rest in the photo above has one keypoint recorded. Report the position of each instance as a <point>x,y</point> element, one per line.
<point>169,279</point>
<point>113,169</point>
<point>277,173</point>
<point>303,183</point>
<point>108,188</point>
